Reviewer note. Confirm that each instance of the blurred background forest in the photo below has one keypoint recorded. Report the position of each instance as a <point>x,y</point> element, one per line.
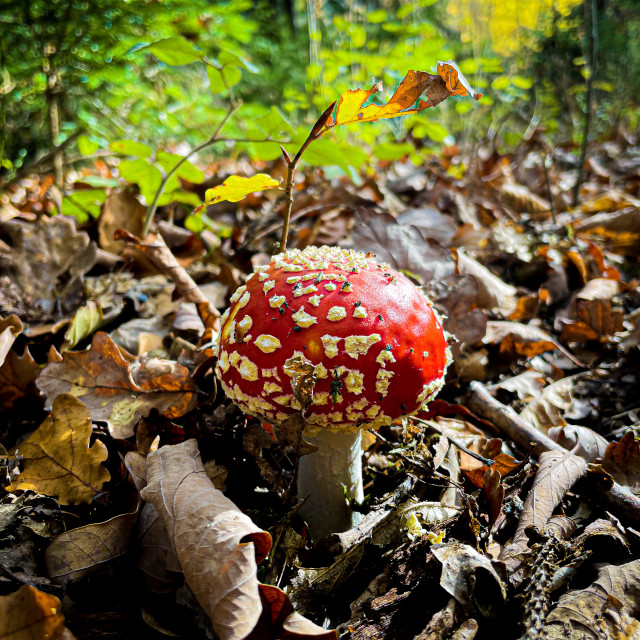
<point>141,82</point>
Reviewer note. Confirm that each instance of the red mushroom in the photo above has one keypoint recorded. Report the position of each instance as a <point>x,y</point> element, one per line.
<point>378,351</point>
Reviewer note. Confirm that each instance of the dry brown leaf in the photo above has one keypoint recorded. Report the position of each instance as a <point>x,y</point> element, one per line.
<point>80,552</point>
<point>557,473</point>
<point>121,210</point>
<point>620,231</point>
<point>216,544</point>
<point>606,609</point>
<point>590,445</point>
<point>17,377</point>
<point>9,330</point>
<point>57,459</point>
<point>492,291</point>
<point>47,261</point>
<point>547,409</point>
<point>622,461</point>
<point>521,339</point>
<point>494,491</point>
<point>29,614</point>
<point>522,200</point>
<point>503,464</point>
<point>115,390</point>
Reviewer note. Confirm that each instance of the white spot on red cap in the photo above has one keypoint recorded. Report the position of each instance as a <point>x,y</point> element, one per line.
<point>359,345</point>
<point>267,343</point>
<point>336,313</point>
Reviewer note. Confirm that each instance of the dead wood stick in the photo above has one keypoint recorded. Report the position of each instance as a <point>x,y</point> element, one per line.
<point>617,499</point>
<point>161,256</point>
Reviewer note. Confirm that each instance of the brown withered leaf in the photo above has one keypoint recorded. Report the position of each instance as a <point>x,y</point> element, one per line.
<point>521,339</point>
<point>47,261</point>
<point>622,461</point>
<point>607,608</point>
<point>28,613</point>
<point>57,459</point>
<point>495,493</point>
<point>522,199</point>
<point>620,231</point>
<point>216,544</point>
<point>546,410</point>
<point>557,473</point>
<point>17,378</point>
<point>9,331</point>
<point>116,390</point>
<point>587,443</point>
<point>80,552</point>
<point>121,209</point>
<point>594,314</point>
<point>503,464</point>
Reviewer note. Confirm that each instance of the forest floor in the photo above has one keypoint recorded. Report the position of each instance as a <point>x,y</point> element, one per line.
<point>105,360</point>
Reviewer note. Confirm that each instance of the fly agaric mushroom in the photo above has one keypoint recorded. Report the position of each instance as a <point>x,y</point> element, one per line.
<point>373,341</point>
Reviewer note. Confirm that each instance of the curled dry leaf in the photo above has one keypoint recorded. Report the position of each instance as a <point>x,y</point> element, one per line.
<point>546,410</point>
<point>121,210</point>
<point>607,608</point>
<point>86,321</point>
<point>587,443</point>
<point>9,330</point>
<point>622,461</point>
<point>80,552</point>
<point>556,474</point>
<point>57,459</point>
<point>17,378</point>
<point>470,578</point>
<point>115,390</point>
<point>28,613</point>
<point>620,231</point>
<point>47,262</point>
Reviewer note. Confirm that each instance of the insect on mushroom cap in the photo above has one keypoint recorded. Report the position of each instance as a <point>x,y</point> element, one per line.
<point>376,344</point>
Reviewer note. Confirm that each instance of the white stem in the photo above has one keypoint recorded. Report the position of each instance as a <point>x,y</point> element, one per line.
<point>329,476</point>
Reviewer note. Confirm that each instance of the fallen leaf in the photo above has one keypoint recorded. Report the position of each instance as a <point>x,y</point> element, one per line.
<point>547,408</point>
<point>584,442</point>
<point>57,459</point>
<point>620,231</point>
<point>81,552</point>
<point>216,544</point>
<point>17,378</point>
<point>503,464</point>
<point>28,614</point>
<point>47,261</point>
<point>494,491</point>
<point>9,331</point>
<point>117,391</point>
<point>522,200</point>
<point>121,210</point>
<point>557,472</point>
<point>236,188</point>
<point>622,461</point>
<point>86,321</point>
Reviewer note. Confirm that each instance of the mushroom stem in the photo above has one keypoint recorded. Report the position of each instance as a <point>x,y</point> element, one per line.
<point>327,478</point>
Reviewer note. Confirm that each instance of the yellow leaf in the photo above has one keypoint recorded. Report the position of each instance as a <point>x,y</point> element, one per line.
<point>406,98</point>
<point>235,188</point>
<point>28,613</point>
<point>57,459</point>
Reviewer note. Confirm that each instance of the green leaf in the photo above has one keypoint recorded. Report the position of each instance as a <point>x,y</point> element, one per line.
<point>392,150</point>
<point>99,181</point>
<point>273,123</point>
<point>84,203</point>
<point>376,16</point>
<point>131,148</point>
<point>226,57</point>
<point>232,75</point>
<point>500,83</point>
<point>142,173</point>
<point>187,170</point>
<point>86,146</point>
<point>175,51</point>
<point>432,130</point>
<point>86,321</point>
<point>522,82</point>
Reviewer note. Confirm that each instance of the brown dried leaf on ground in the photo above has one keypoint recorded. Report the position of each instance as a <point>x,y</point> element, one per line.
<point>606,609</point>
<point>547,410</point>
<point>622,461</point>
<point>80,552</point>
<point>590,445</point>
<point>9,331</point>
<point>218,548</point>
<point>556,474</point>
<point>521,339</point>
<point>115,390</point>
<point>47,261</point>
<point>17,378</point>
<point>121,210</point>
<point>57,459</point>
<point>592,314</point>
<point>619,231</point>
<point>28,613</point>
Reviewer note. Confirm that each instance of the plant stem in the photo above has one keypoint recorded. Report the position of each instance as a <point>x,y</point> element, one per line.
<point>592,43</point>
<point>212,140</point>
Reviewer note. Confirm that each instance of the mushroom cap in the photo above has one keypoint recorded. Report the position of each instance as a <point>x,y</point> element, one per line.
<point>376,344</point>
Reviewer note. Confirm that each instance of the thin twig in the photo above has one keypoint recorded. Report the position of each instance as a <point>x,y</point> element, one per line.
<point>213,139</point>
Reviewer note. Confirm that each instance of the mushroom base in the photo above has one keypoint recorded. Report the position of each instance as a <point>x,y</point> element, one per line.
<point>329,477</point>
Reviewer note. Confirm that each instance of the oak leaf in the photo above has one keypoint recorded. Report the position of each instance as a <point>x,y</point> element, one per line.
<point>236,188</point>
<point>28,613</point>
<point>57,459</point>
<point>117,391</point>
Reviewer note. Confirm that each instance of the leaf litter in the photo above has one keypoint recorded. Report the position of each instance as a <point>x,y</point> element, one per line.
<point>547,323</point>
